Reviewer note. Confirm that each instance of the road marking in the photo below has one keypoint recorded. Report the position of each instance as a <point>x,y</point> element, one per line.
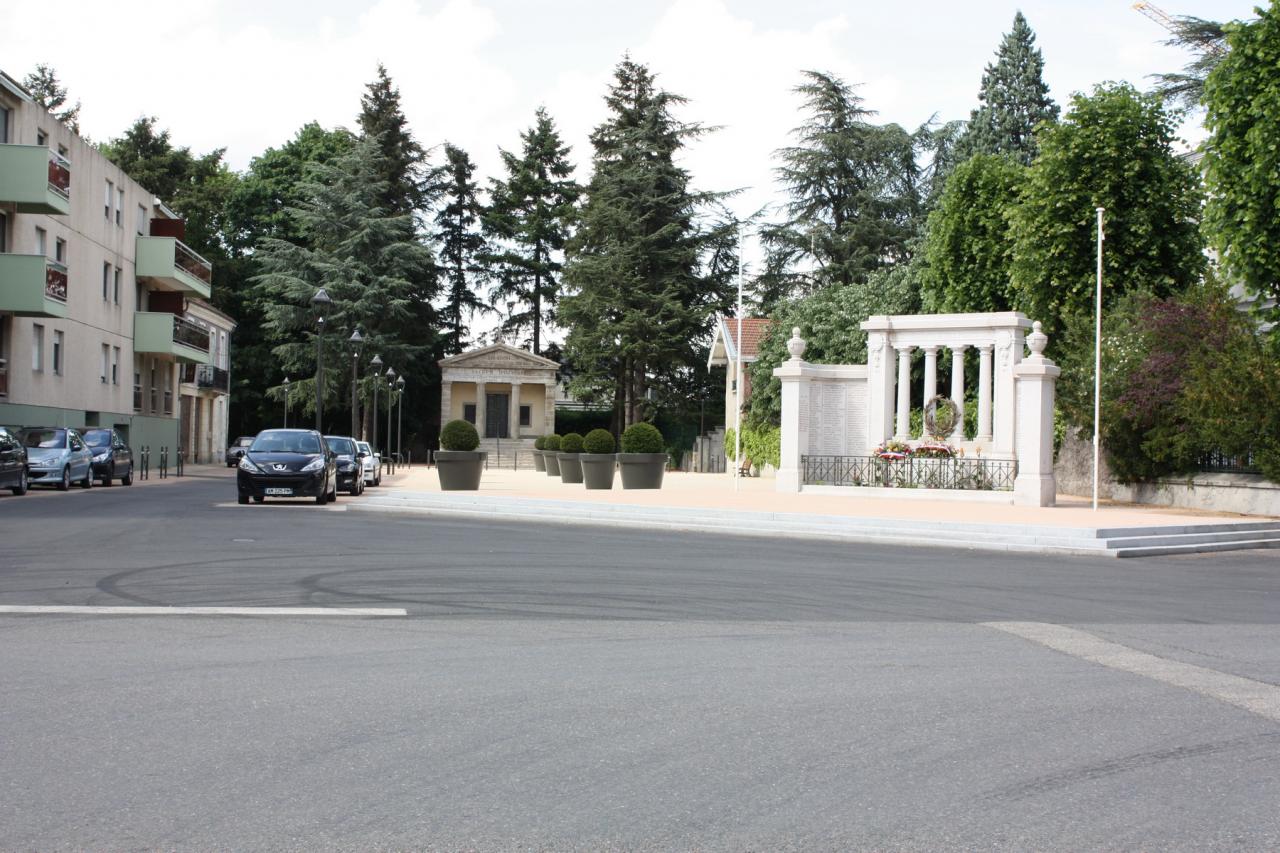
<point>1257,697</point>
<point>202,611</point>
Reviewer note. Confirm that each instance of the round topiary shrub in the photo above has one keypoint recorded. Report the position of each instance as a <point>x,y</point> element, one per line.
<point>642,438</point>
<point>540,442</point>
<point>598,441</point>
<point>551,442</point>
<point>571,443</point>
<point>459,435</point>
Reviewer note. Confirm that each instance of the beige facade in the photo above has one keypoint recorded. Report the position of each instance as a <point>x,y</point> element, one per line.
<point>206,389</point>
<point>508,393</point>
<point>87,336</point>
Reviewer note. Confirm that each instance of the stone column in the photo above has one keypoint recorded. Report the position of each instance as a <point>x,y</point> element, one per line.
<point>513,416</point>
<point>930,380</point>
<point>446,403</point>
<point>795,416</point>
<point>957,390</point>
<point>984,392</point>
<point>879,390</point>
<point>549,409</point>
<point>904,394</point>
<point>481,414</point>
<point>1036,378</point>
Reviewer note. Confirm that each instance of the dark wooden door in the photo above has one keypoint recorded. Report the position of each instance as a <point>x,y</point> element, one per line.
<point>496,415</point>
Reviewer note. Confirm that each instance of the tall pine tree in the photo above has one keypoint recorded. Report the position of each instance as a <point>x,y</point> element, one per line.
<point>48,91</point>
<point>528,218</point>
<point>403,162</point>
<point>1014,99</point>
<point>462,246</point>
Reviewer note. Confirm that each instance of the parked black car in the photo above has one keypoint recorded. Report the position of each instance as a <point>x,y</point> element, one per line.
<point>112,458</point>
<point>288,463</point>
<point>350,469</point>
<point>236,450</point>
<point>13,463</point>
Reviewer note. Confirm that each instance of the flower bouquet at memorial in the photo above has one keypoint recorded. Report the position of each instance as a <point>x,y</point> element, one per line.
<point>893,450</point>
<point>935,450</point>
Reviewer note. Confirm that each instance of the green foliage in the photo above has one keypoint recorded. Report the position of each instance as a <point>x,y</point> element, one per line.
<point>1207,40</point>
<point>571,442</point>
<point>528,220</point>
<point>462,245</point>
<point>598,441</point>
<point>855,195</point>
<point>642,438</point>
<point>1242,157</point>
<point>540,443</point>
<point>760,446</point>
<point>459,435</point>
<point>48,92</point>
<point>829,322</point>
<point>402,164</point>
<point>551,443</point>
<point>1015,99</point>
<point>581,421</point>
<point>967,250</point>
<point>1113,150</point>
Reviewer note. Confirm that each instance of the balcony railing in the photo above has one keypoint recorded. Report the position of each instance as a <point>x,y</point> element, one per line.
<point>189,334</point>
<point>55,281</point>
<point>208,376</point>
<point>192,263</point>
<point>59,175</point>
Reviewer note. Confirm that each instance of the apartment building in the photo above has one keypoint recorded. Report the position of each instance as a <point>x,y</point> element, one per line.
<point>205,388</point>
<point>97,289</point>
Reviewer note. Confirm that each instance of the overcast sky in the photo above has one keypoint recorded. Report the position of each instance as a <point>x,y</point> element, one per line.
<point>246,74</point>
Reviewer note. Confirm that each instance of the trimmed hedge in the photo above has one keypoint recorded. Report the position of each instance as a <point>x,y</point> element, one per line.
<point>459,435</point>
<point>599,441</point>
<point>551,442</point>
<point>571,443</point>
<point>540,442</point>
<point>642,438</point>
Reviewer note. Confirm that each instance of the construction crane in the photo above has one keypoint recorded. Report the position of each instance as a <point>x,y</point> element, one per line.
<point>1155,13</point>
<point>1211,45</point>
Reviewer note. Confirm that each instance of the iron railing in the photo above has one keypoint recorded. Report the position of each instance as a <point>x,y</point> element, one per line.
<point>185,257</point>
<point>1217,462</point>
<point>59,174</point>
<point>910,473</point>
<point>55,280</point>
<point>208,376</point>
<point>189,334</point>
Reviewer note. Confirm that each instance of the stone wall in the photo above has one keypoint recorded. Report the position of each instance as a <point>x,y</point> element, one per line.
<point>1249,494</point>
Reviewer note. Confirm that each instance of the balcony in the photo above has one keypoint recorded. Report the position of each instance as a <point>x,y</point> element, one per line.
<point>35,179</point>
<point>168,334</point>
<point>171,265</point>
<point>213,378</point>
<point>4,378</point>
<point>33,286</point>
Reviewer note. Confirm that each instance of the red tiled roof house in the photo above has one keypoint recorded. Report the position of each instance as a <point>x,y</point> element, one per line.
<point>725,352</point>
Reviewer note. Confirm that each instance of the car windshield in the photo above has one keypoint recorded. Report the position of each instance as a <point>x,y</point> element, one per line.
<point>98,438</point>
<point>341,446</point>
<point>285,442</point>
<point>44,438</point>
<point>363,446</point>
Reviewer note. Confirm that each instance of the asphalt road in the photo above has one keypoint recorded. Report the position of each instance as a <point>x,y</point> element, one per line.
<point>563,687</point>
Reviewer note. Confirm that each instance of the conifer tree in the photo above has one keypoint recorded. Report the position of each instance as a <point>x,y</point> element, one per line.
<point>1014,99</point>
<point>48,91</point>
<point>528,218</point>
<point>403,160</point>
<point>462,245</point>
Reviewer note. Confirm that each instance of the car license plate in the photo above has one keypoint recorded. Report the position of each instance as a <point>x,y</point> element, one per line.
<point>279,491</point>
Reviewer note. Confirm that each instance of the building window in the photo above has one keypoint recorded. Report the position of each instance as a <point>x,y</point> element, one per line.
<point>106,362</point>
<point>62,151</point>
<point>120,207</point>
<point>168,389</point>
<point>60,250</point>
<point>115,365</point>
<point>58,341</point>
<point>4,232</point>
<point>142,220</point>
<point>526,416</point>
<point>37,347</point>
<point>111,195</point>
<point>155,389</point>
<point>137,391</point>
<point>42,138</point>
<point>106,281</point>
<point>115,285</point>
<point>42,242</point>
<point>469,412</point>
<point>4,125</point>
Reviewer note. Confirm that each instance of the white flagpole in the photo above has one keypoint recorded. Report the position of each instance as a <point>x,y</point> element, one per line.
<point>737,397</point>
<point>1097,364</point>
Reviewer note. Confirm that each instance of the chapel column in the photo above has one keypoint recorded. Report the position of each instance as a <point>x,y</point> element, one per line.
<point>549,409</point>
<point>984,392</point>
<point>446,405</point>
<point>904,393</point>
<point>481,415</point>
<point>957,390</point>
<point>930,380</point>
<point>513,410</point>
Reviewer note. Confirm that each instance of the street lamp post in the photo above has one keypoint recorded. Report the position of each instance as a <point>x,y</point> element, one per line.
<point>391,386</point>
<point>399,416</point>
<point>355,340</point>
<point>286,402</point>
<point>376,364</point>
<point>321,303</point>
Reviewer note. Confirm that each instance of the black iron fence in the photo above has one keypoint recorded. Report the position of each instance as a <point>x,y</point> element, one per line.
<point>1217,462</point>
<point>909,473</point>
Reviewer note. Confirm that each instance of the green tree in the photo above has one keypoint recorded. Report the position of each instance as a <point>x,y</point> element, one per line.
<point>48,92</point>
<point>637,306</point>
<point>528,219</point>
<point>1014,99</point>
<point>403,162</point>
<point>1113,150</point>
<point>1207,41</point>
<point>368,259</point>
<point>462,246</point>
<point>967,250</point>
<point>1242,161</point>
<point>855,195</point>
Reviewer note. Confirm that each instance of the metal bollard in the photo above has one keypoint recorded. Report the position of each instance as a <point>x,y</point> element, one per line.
<point>180,461</point>
<point>164,461</point>
<point>146,461</point>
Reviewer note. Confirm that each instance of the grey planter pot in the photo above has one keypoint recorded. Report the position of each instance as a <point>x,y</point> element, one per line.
<point>570,468</point>
<point>597,470</point>
<point>539,464</point>
<point>551,459</point>
<point>460,469</point>
<point>642,470</point>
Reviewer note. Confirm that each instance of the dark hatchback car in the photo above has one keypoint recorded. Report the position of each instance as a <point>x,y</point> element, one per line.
<point>13,463</point>
<point>235,451</point>
<point>350,463</point>
<point>287,463</point>
<point>112,458</point>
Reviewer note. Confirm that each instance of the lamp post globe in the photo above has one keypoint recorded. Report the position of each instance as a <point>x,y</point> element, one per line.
<point>355,340</point>
<point>320,302</point>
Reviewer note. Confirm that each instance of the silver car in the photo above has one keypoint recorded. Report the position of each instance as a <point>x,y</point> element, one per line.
<point>370,464</point>
<point>57,456</point>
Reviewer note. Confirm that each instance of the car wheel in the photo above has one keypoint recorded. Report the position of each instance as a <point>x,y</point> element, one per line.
<point>87,482</point>
<point>21,488</point>
<point>110,475</point>
<point>242,499</point>
<point>65,482</point>
<point>127,479</point>
<point>259,499</point>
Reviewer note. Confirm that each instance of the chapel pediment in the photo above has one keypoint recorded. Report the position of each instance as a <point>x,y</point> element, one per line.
<point>499,357</point>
